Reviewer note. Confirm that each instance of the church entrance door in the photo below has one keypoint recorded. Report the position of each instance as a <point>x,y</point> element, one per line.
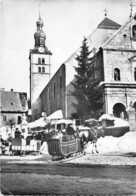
<point>119,110</point>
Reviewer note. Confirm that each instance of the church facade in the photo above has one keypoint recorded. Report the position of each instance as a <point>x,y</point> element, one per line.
<point>113,61</point>
<point>119,55</point>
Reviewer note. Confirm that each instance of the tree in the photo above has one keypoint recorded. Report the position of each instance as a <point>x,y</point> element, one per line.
<point>95,98</point>
<point>81,82</point>
<point>87,92</point>
<point>11,122</point>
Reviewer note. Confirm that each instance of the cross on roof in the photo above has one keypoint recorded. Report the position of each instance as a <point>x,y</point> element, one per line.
<point>39,10</point>
<point>131,5</point>
<point>105,12</point>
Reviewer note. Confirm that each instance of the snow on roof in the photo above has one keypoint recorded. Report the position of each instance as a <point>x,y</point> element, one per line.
<point>65,121</point>
<point>56,115</point>
<point>37,123</point>
<point>119,122</point>
<point>106,117</point>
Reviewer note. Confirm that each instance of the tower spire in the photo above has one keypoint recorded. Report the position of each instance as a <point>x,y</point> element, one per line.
<point>131,10</point>
<point>39,35</point>
<point>105,11</point>
<point>39,11</point>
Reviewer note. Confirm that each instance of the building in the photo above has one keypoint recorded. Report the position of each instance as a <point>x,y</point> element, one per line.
<point>113,61</point>
<point>12,106</point>
<point>39,65</point>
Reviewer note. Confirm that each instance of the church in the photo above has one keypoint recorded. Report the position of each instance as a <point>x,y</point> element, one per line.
<point>113,54</point>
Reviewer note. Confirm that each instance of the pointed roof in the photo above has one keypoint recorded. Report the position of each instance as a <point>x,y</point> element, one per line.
<point>13,101</point>
<point>127,22</point>
<point>108,24</point>
<point>99,36</point>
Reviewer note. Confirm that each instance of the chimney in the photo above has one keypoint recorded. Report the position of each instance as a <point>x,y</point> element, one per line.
<point>2,89</point>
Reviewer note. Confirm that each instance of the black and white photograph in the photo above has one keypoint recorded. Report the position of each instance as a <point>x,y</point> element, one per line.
<point>67,97</point>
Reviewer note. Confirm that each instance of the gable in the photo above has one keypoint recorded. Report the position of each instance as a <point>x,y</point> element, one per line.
<point>13,101</point>
<point>95,40</point>
<point>109,24</point>
<point>122,39</point>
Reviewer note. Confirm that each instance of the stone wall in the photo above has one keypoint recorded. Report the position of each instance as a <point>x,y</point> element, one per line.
<point>53,96</point>
<point>119,59</point>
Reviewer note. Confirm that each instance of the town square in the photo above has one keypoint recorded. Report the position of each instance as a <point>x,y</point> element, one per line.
<point>68,97</point>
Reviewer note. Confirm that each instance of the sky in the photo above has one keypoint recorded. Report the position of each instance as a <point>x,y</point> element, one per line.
<point>66,22</point>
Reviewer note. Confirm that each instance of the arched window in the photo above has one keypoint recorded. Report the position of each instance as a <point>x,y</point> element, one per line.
<point>39,69</point>
<point>43,69</point>
<point>43,61</point>
<point>39,60</point>
<point>135,73</point>
<point>116,74</point>
<point>134,31</point>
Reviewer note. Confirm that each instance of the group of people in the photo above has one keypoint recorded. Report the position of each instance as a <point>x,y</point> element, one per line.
<point>6,145</point>
<point>69,132</point>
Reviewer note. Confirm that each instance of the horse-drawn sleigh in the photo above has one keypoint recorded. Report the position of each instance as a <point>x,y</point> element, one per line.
<point>75,142</point>
<point>65,147</point>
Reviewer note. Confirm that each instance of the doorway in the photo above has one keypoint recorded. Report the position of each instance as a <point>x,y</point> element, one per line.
<point>119,110</point>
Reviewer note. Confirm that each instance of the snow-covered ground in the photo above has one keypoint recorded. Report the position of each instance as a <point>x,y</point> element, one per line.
<point>109,144</point>
<point>112,150</point>
<point>124,144</point>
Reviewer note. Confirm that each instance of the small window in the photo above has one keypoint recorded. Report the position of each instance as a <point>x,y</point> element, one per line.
<point>43,61</point>
<point>39,69</point>
<point>39,60</point>
<point>61,82</point>
<point>19,119</point>
<point>54,90</point>
<point>49,92</point>
<point>43,69</point>
<point>134,31</point>
<point>4,118</point>
<point>116,74</point>
<point>42,41</point>
<point>135,73</point>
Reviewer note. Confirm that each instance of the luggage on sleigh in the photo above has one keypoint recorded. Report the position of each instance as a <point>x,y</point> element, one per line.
<point>64,147</point>
<point>19,146</point>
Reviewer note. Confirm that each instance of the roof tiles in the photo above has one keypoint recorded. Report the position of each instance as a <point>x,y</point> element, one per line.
<point>13,101</point>
<point>109,24</point>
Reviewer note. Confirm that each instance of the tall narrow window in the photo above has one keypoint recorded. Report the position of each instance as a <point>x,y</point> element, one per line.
<point>61,82</point>
<point>116,74</point>
<point>54,90</point>
<point>19,119</point>
<point>43,61</point>
<point>43,69</point>
<point>4,118</point>
<point>39,69</point>
<point>49,92</point>
<point>134,31</point>
<point>39,60</point>
<point>135,73</point>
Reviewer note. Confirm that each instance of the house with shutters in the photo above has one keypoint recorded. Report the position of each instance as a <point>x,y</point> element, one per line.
<point>12,106</point>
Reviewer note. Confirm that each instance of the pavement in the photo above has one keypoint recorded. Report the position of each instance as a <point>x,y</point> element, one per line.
<point>25,158</point>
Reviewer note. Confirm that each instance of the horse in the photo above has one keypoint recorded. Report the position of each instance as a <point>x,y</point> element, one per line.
<point>91,135</point>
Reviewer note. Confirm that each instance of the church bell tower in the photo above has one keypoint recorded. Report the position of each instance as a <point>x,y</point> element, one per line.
<point>39,63</point>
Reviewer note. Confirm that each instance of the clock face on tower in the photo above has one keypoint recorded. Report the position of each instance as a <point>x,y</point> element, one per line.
<point>40,49</point>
